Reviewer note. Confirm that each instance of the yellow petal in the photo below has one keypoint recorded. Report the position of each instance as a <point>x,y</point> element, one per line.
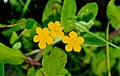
<point>42,37</point>
<point>51,25</point>
<point>80,40</point>
<point>77,48</point>
<point>65,39</point>
<point>68,47</point>
<point>36,38</point>
<point>53,33</point>
<point>45,31</point>
<point>49,40</point>
<point>60,33</point>
<point>58,28</point>
<point>73,34</point>
<point>57,23</point>
<point>38,30</point>
<point>61,28</point>
<point>42,45</point>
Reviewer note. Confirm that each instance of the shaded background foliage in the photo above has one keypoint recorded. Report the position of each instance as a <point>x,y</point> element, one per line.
<point>36,9</point>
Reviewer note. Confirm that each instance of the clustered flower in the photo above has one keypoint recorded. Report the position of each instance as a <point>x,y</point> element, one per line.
<point>46,37</point>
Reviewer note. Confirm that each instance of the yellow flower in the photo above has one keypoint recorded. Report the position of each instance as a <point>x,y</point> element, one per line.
<point>73,42</point>
<point>43,37</point>
<point>56,29</point>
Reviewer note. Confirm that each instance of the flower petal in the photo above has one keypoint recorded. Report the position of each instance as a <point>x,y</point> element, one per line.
<point>53,33</point>
<point>68,47</point>
<point>57,23</point>
<point>80,40</point>
<point>42,45</point>
<point>60,33</point>
<point>36,38</point>
<point>73,34</point>
<point>49,40</point>
<point>38,30</point>
<point>61,28</point>
<point>77,48</point>
<point>65,39</point>
<point>45,31</point>
<point>51,25</point>
<point>58,28</point>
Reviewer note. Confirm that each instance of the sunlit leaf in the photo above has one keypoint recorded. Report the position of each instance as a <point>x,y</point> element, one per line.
<point>17,45</point>
<point>31,71</point>
<point>11,56</point>
<point>113,14</point>
<point>64,72</point>
<point>54,60</point>
<point>7,32</point>
<point>68,13</point>
<point>88,12</point>
<point>13,38</point>
<point>86,25</point>
<point>52,11</point>
<point>39,72</point>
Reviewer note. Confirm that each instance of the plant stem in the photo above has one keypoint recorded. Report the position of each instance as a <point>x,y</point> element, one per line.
<point>25,8</point>
<point>33,52</point>
<point>84,28</point>
<point>22,3</point>
<point>7,26</point>
<point>107,50</point>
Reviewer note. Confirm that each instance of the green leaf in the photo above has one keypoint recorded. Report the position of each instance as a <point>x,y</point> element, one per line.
<point>113,14</point>
<point>98,63</point>
<point>27,44</point>
<point>17,45</point>
<point>11,56</point>
<point>15,5</point>
<point>39,72</point>
<point>20,24</point>
<point>68,13</point>
<point>30,23</point>
<point>64,72</point>
<point>13,38</point>
<point>86,25</point>
<point>32,31</point>
<point>118,66</point>
<point>7,32</point>
<point>31,71</point>
<point>52,11</point>
<point>54,60</point>
<point>92,41</point>
<point>1,69</point>
<point>88,12</point>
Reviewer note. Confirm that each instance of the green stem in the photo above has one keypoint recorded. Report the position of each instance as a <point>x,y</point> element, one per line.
<point>23,4</point>
<point>84,28</point>
<point>25,8</point>
<point>1,69</point>
<point>107,50</point>
<point>33,52</point>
